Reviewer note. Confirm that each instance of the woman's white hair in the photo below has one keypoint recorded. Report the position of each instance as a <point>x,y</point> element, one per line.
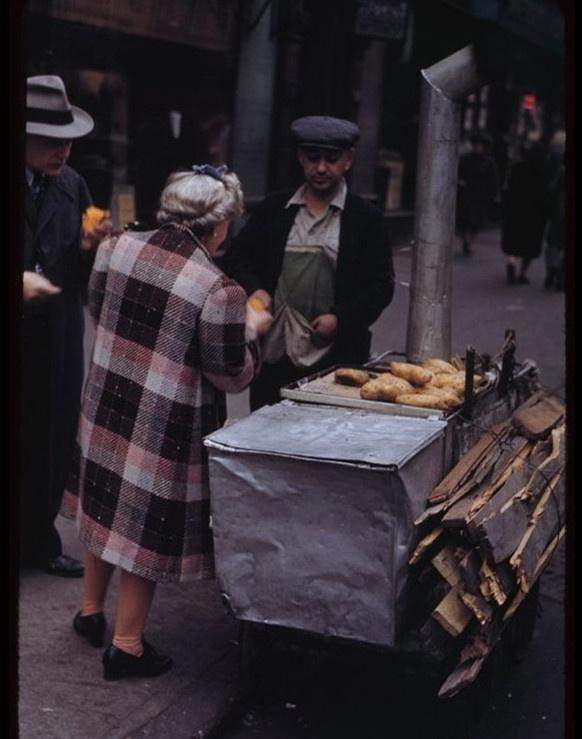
<point>200,201</point>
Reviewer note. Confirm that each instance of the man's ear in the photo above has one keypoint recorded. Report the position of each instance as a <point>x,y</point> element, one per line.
<point>349,159</point>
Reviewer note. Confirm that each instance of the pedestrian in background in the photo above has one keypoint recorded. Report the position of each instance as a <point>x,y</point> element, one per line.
<point>554,255</point>
<point>318,259</point>
<point>525,211</point>
<point>170,341</point>
<point>477,189</point>
<point>56,260</point>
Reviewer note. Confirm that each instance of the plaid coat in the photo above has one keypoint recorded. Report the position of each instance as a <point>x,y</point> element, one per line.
<point>170,341</point>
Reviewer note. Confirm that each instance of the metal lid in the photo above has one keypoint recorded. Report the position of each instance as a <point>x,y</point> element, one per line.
<point>329,433</point>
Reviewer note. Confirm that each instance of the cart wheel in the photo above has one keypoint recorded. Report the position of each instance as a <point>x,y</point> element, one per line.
<point>518,633</point>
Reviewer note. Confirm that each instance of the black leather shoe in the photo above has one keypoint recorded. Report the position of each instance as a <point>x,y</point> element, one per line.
<point>118,664</point>
<point>91,628</point>
<point>64,566</point>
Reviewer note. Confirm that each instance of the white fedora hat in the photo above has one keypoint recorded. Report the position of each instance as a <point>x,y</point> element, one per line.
<point>49,113</point>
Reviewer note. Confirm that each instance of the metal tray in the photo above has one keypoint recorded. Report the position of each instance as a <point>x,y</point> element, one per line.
<point>320,388</point>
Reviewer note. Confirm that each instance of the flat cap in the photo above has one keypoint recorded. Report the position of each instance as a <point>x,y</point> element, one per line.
<point>323,132</point>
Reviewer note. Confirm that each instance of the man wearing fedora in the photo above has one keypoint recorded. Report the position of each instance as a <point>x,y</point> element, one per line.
<point>55,260</point>
<point>318,259</point>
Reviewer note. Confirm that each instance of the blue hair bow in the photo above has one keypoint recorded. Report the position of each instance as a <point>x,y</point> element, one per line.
<point>216,172</point>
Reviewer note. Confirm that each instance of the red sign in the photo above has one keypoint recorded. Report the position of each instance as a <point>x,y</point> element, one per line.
<point>528,102</point>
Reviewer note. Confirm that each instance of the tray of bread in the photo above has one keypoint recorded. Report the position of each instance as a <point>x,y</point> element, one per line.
<point>434,387</point>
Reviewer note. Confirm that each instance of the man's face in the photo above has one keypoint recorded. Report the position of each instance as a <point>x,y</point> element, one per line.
<point>324,168</point>
<point>47,155</point>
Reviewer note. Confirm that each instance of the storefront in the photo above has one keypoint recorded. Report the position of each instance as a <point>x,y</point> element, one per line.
<point>157,78</point>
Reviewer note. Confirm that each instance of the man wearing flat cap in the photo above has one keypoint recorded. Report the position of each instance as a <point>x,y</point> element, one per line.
<point>55,258</point>
<point>318,259</point>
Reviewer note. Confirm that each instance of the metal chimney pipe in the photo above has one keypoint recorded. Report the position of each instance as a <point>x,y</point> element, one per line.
<point>445,84</point>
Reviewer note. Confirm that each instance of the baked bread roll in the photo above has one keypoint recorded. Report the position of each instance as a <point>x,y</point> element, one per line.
<point>411,372</point>
<point>425,400</point>
<point>347,376</point>
<point>439,365</point>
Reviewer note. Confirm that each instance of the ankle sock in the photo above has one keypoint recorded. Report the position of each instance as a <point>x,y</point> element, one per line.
<point>131,644</point>
<point>91,608</point>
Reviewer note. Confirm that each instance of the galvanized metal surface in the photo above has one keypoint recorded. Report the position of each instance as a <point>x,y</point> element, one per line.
<point>429,318</point>
<point>327,433</point>
<point>317,546</point>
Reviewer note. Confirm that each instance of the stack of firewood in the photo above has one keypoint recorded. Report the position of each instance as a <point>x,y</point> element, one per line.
<point>488,532</point>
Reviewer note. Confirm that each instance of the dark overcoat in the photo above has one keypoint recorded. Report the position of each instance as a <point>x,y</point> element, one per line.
<point>364,276</point>
<point>52,357</point>
<point>525,210</point>
<point>170,341</point>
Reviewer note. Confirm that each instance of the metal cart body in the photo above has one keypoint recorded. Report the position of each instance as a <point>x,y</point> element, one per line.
<point>313,511</point>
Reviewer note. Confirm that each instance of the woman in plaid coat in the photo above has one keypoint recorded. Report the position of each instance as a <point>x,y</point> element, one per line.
<point>171,339</point>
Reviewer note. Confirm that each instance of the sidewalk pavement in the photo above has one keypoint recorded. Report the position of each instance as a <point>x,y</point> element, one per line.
<point>62,693</point>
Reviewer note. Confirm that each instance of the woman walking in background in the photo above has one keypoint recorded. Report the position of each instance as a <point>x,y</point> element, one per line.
<point>477,189</point>
<point>557,215</point>
<point>525,212</point>
<point>170,341</point>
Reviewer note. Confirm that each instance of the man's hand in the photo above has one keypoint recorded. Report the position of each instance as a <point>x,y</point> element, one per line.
<point>35,286</point>
<point>324,329</point>
<point>264,297</point>
<point>101,231</point>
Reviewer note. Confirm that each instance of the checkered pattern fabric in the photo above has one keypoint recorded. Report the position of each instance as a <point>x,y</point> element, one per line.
<point>170,341</point>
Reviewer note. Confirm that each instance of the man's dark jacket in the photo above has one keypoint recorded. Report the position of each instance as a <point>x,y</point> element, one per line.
<point>52,356</point>
<point>364,275</point>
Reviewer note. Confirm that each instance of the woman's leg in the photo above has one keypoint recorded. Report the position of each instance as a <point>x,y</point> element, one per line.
<point>95,584</point>
<point>510,270</point>
<point>133,607</point>
<point>525,262</point>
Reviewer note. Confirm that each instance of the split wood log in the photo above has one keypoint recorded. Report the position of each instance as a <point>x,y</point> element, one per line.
<point>470,566</point>
<point>499,525</point>
<point>482,610</point>
<point>429,513</point>
<point>512,465</point>
<point>491,587</point>
<point>436,641</point>
<point>541,565</point>
<point>546,520</point>
<point>460,472</point>
<point>452,614</point>
<point>536,420</point>
<point>447,566</point>
<point>460,677</point>
<point>424,545</point>
<point>548,468</point>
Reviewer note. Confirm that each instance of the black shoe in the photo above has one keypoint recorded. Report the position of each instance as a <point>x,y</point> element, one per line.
<point>522,279</point>
<point>64,566</point>
<point>466,249</point>
<point>118,664</point>
<point>91,628</point>
<point>510,272</point>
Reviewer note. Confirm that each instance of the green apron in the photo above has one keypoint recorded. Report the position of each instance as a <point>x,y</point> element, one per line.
<point>305,290</point>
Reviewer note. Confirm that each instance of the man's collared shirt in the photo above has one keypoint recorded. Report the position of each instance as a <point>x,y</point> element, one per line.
<point>322,230</point>
<point>35,182</point>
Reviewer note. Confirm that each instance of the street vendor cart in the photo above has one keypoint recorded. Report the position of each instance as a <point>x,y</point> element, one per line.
<point>404,528</point>
<point>316,502</point>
